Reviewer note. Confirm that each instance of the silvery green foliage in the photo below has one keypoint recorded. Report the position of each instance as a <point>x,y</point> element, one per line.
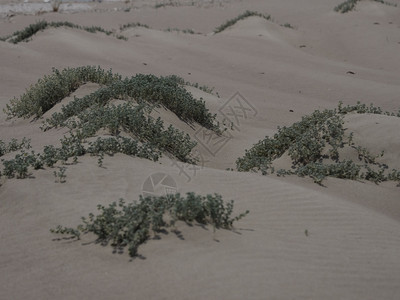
<point>146,137</point>
<point>130,224</point>
<point>314,144</point>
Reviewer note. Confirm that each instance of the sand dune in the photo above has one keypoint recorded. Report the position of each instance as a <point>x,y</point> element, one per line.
<point>300,240</point>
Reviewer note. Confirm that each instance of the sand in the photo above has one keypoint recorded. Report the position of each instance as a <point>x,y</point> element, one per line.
<point>300,240</point>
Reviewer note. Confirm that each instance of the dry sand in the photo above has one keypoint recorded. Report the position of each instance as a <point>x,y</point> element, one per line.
<point>352,246</point>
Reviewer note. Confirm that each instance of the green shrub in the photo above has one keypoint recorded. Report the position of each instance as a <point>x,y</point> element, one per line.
<point>53,88</point>
<point>313,145</point>
<point>14,145</point>
<point>60,175</point>
<point>19,166</point>
<point>147,136</point>
<point>130,225</point>
<point>166,91</point>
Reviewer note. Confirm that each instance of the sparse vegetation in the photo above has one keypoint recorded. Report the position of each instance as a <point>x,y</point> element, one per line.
<point>60,175</point>
<point>144,137</point>
<point>189,31</point>
<point>32,29</point>
<point>245,15</point>
<point>314,146</point>
<point>349,5</point>
<point>287,25</point>
<point>386,3</point>
<point>133,25</point>
<point>165,4</point>
<point>165,91</point>
<point>130,225</point>
<point>14,145</point>
<point>346,6</point>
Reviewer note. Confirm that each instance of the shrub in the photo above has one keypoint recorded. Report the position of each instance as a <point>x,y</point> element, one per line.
<point>129,225</point>
<point>51,89</point>
<point>166,91</point>
<point>19,166</point>
<point>313,146</point>
<point>14,145</point>
<point>346,6</point>
<point>87,115</point>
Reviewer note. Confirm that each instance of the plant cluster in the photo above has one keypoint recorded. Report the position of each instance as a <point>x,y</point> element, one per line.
<point>143,135</point>
<point>170,3</point>
<point>22,161</point>
<point>51,89</point>
<point>133,121</point>
<point>71,148</point>
<point>133,25</point>
<point>160,91</point>
<point>349,5</point>
<point>346,6</point>
<point>14,145</point>
<point>130,225</point>
<point>32,29</point>
<point>314,144</point>
<point>244,15</point>
<point>189,31</point>
<point>287,25</point>
<point>60,175</point>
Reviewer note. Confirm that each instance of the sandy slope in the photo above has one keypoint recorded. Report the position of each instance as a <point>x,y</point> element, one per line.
<point>352,246</point>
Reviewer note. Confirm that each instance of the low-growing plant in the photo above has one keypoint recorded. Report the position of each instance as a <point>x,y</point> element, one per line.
<point>51,89</point>
<point>242,16</point>
<point>85,117</point>
<point>19,166</point>
<point>130,225</point>
<point>314,144</point>
<point>346,6</point>
<point>14,145</point>
<point>32,29</point>
<point>133,25</point>
<point>386,3</point>
<point>60,174</point>
<point>189,31</point>
<point>166,91</point>
<point>350,5</point>
<point>165,4</point>
<point>287,25</point>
